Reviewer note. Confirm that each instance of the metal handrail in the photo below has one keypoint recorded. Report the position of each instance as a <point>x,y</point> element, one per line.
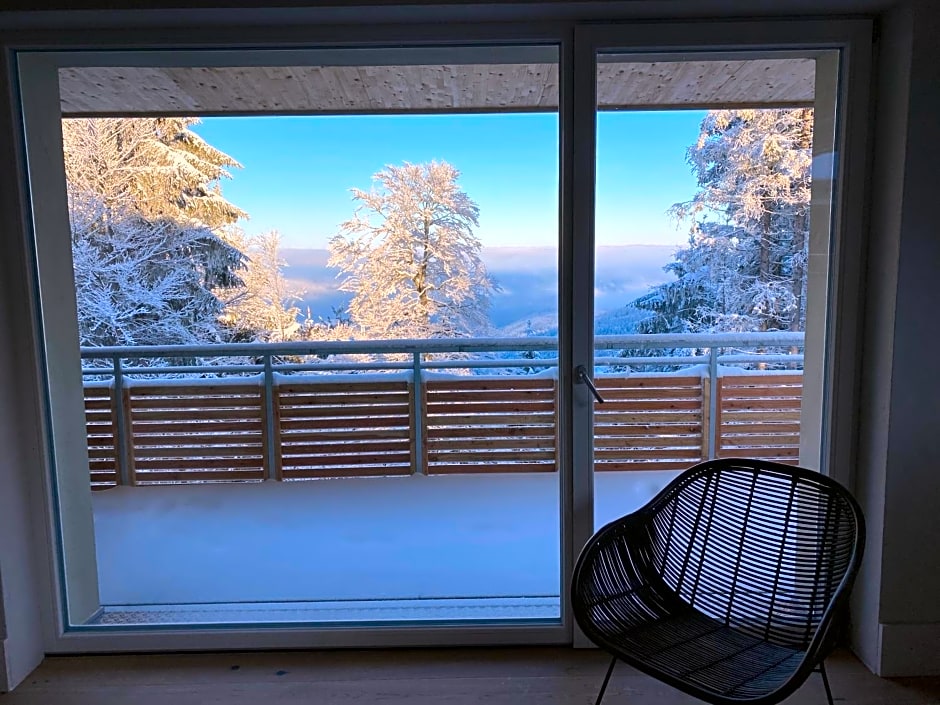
<point>267,360</point>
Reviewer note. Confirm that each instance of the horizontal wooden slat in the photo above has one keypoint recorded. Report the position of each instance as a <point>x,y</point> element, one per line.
<point>638,381</point>
<point>763,393</point>
<point>144,478</point>
<point>363,423</point>
<point>492,395</point>
<point>653,393</point>
<point>759,453</point>
<point>341,388</point>
<point>760,380</point>
<point>319,399</point>
<point>194,389</point>
<point>645,453</point>
<point>196,414</point>
<point>487,456</point>
<point>760,427</point>
<point>760,416</point>
<point>546,430</point>
<point>640,405</point>
<point>302,473</point>
<point>391,458</point>
<point>633,419</point>
<point>396,446</point>
<point>444,469</point>
<point>344,411</point>
<point>181,405</point>
<point>101,452</point>
<point>752,440</point>
<point>499,384</point>
<point>507,420</point>
<point>92,389</point>
<point>443,444</point>
<point>516,407</point>
<point>648,441</point>
<point>159,439</point>
<point>103,404</point>
<point>642,465</point>
<point>204,451</point>
<point>196,426</point>
<point>147,463</point>
<point>645,429</point>
<point>770,404</point>
<point>376,434</point>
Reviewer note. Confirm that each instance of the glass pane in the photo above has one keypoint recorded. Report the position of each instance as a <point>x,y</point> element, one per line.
<point>704,192</point>
<point>375,241</point>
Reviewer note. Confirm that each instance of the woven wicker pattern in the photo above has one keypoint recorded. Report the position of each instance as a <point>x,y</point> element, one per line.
<point>727,584</point>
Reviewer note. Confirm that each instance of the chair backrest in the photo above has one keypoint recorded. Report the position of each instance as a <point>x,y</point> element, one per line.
<point>763,547</point>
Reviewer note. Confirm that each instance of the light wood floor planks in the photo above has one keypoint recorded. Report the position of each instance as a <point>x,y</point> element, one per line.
<point>495,676</point>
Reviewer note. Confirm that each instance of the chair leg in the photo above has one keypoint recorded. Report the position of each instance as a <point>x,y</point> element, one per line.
<point>825,680</point>
<point>600,695</point>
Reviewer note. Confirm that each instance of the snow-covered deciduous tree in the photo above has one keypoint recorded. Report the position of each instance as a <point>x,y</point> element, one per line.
<point>264,308</point>
<point>149,230</point>
<point>411,258</point>
<point>745,266</point>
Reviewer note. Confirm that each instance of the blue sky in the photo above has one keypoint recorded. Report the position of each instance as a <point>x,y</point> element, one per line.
<point>298,170</point>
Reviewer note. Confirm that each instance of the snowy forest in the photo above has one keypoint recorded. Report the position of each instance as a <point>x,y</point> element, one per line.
<point>160,257</point>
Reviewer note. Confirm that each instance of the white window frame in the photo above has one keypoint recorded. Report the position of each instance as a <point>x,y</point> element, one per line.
<point>60,379</point>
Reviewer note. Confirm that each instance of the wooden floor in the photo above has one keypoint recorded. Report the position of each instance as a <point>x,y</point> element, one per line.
<point>495,676</point>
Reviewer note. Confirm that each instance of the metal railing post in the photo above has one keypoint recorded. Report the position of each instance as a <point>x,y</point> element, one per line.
<point>120,424</point>
<point>270,452</point>
<point>418,419</point>
<point>713,429</point>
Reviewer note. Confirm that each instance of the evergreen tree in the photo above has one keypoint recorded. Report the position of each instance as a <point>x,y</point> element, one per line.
<point>148,216</point>
<point>745,266</point>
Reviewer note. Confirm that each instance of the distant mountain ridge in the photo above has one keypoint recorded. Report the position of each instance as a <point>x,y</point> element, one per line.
<point>528,281</point>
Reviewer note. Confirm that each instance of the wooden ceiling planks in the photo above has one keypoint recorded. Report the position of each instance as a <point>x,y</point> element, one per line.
<point>627,84</point>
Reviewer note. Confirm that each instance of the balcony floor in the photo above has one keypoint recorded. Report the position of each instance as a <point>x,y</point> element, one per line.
<point>352,549</point>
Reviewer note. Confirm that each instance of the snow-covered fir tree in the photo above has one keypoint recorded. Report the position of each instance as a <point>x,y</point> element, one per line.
<point>141,281</point>
<point>411,258</point>
<point>744,268</point>
<point>149,230</point>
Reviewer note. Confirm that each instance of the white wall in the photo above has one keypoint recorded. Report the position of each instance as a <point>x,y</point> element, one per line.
<point>897,612</point>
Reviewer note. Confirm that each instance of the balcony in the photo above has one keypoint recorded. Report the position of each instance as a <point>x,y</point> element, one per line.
<point>431,467</point>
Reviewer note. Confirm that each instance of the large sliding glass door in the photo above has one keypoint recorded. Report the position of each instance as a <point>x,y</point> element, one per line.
<point>392,440</point>
<point>710,227</point>
<point>345,414</point>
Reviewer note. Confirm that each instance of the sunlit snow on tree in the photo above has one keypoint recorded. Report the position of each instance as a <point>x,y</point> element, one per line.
<point>264,308</point>
<point>745,266</point>
<point>149,230</point>
<point>411,258</point>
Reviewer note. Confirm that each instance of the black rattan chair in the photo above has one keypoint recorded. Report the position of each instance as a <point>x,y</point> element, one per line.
<point>728,585</point>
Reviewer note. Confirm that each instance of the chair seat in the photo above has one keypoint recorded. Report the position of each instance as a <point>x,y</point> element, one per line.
<point>698,654</point>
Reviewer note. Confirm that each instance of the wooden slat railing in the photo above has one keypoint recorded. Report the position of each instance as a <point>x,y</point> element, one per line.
<point>759,416</point>
<point>99,426</point>
<point>343,429</point>
<point>210,431</point>
<point>500,424</point>
<point>196,432</point>
<point>649,423</point>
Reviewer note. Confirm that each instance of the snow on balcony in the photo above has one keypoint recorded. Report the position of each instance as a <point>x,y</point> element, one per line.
<point>452,547</point>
